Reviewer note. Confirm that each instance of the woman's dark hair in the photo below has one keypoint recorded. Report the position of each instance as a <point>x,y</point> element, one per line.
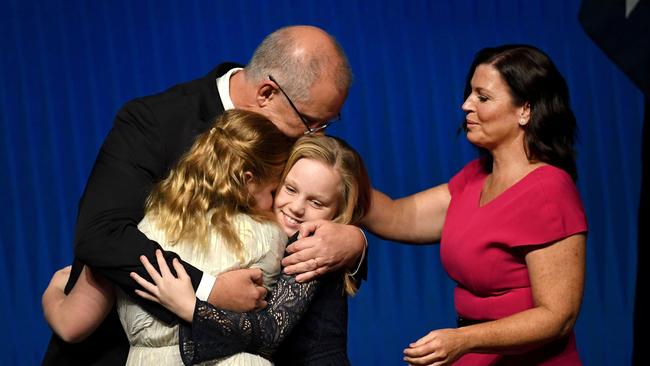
<point>532,77</point>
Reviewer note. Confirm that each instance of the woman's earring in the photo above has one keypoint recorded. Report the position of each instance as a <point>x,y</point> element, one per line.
<point>522,121</point>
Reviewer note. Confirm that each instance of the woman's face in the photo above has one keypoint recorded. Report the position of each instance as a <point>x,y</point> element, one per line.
<point>311,191</point>
<point>492,119</point>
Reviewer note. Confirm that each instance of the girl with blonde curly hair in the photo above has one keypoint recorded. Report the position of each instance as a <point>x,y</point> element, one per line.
<point>214,210</point>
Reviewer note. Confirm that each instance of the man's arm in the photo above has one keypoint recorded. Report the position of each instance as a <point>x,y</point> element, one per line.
<point>129,162</point>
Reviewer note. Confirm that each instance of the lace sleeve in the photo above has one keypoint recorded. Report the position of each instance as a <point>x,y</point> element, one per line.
<point>216,333</point>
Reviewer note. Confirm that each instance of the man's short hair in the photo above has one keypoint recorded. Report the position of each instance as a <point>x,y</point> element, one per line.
<point>297,73</point>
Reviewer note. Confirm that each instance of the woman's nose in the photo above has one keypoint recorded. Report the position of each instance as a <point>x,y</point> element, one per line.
<point>467,105</point>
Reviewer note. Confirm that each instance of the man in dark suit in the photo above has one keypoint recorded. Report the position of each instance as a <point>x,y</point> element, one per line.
<point>298,78</point>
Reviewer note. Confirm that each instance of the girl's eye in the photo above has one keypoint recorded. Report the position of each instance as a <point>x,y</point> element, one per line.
<point>316,204</point>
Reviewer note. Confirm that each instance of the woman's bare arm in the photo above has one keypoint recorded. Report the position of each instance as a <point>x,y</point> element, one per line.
<point>557,280</point>
<point>415,219</point>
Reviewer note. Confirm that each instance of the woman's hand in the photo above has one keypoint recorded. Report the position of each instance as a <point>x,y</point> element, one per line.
<point>174,293</point>
<point>439,347</point>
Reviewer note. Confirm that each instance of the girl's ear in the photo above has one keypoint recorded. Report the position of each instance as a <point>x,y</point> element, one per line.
<point>248,177</point>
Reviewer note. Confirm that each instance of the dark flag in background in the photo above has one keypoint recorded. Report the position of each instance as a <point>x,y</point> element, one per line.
<point>621,28</point>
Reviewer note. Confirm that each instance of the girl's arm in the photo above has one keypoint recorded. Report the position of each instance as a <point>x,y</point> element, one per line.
<point>557,279</point>
<point>216,333</point>
<point>416,219</point>
<point>75,316</point>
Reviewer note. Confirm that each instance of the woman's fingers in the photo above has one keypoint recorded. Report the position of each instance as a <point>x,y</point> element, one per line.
<point>427,338</point>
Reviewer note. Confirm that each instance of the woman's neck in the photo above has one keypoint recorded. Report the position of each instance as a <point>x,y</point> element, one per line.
<point>510,161</point>
<point>508,167</point>
<point>514,166</point>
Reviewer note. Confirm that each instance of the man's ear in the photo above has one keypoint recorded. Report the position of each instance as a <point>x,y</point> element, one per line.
<point>265,93</point>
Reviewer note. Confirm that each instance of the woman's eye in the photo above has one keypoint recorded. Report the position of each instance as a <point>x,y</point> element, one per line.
<point>482,98</point>
<point>290,189</point>
<point>316,204</point>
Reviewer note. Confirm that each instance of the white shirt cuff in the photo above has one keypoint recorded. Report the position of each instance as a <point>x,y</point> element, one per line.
<point>205,286</point>
<point>363,253</point>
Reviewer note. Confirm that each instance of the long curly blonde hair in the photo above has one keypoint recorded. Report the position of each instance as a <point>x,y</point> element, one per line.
<point>207,187</point>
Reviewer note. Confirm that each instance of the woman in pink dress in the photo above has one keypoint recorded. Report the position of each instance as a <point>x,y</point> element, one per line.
<point>511,224</point>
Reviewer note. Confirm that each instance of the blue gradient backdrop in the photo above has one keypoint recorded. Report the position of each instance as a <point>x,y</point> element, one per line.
<point>67,66</point>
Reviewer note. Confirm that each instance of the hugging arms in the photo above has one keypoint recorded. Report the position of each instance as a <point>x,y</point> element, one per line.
<point>324,180</point>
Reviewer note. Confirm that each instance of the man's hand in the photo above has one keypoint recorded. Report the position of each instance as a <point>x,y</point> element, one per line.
<point>332,247</point>
<point>239,290</point>
<point>60,278</point>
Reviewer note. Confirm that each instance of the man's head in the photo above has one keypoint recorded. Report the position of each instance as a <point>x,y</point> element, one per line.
<point>301,64</point>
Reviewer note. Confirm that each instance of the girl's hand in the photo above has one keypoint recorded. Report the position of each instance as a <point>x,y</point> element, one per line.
<point>174,293</point>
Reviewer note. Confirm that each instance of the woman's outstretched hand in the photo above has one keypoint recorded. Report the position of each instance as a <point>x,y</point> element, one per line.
<point>174,293</point>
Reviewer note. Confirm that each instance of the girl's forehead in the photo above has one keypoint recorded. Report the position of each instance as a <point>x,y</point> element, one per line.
<point>307,166</point>
<point>316,176</point>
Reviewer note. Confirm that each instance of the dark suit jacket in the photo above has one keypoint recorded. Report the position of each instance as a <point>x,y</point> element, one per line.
<point>148,137</point>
